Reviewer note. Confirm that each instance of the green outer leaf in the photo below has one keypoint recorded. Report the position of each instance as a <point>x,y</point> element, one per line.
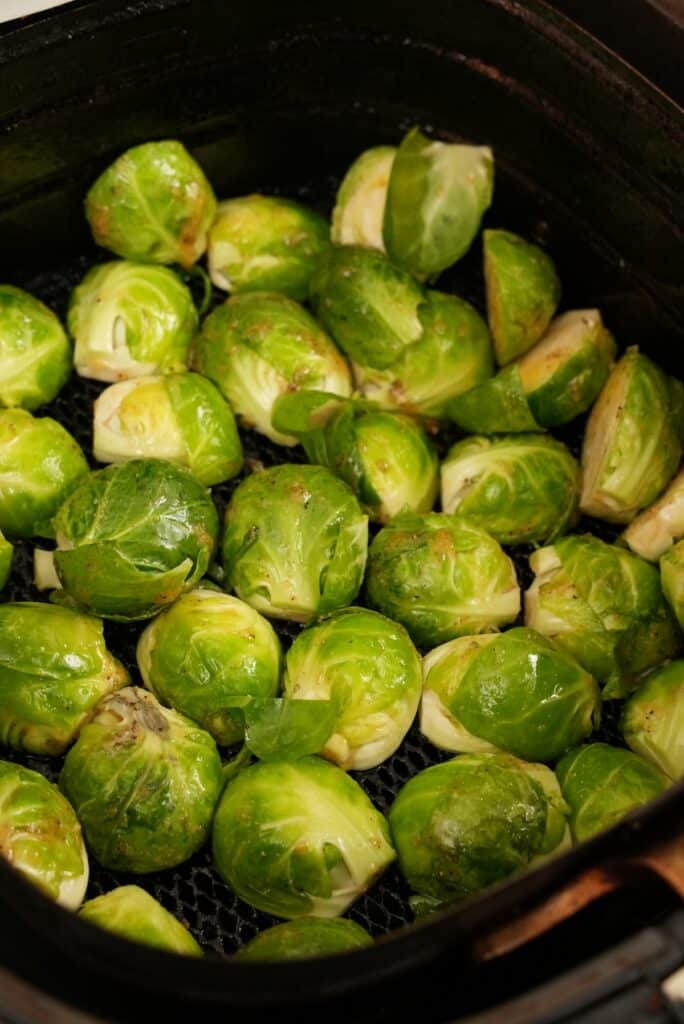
<point>131,913</point>
<point>208,428</point>
<point>6,554</point>
<point>35,353</point>
<point>283,729</point>
<point>305,938</point>
<point>672,579</point>
<point>303,412</point>
<point>653,720</point>
<point>498,406</point>
<point>360,204</point>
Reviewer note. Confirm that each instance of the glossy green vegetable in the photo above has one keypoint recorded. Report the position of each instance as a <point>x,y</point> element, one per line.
<point>661,525</point>
<point>181,417</point>
<point>153,204</point>
<point>6,554</point>
<point>133,914</point>
<point>35,354</point>
<point>131,320</point>
<point>440,577</point>
<point>305,938</point>
<point>360,205</point>
<point>672,579</point>
<point>132,538</point>
<point>497,406</point>
<point>295,542</point>
<point>144,782</point>
<point>299,838</point>
<point>653,720</point>
<point>602,783</point>
<point>521,488</point>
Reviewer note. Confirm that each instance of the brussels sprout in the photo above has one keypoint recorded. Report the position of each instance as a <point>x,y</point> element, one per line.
<point>602,783</point>
<point>604,606</point>
<point>6,554</point>
<point>657,528</point>
<point>144,782</point>
<point>181,417</point>
<point>512,691</point>
<point>154,204</point>
<point>203,652</point>
<point>384,457</point>
<point>523,291</point>
<point>653,720</point>
<point>440,577</point>
<point>498,406</point>
<point>471,822</point>
<point>436,197</point>
<point>35,354</point>
<point>131,320</point>
<point>299,838</point>
<point>259,346</point>
<point>305,938</point>
<point>369,665</point>
<point>631,447</point>
<point>40,835</point>
<point>262,243</point>
<point>133,914</point>
<point>54,668</point>
<point>672,579</point>
<point>295,542</point>
<point>562,375</point>
<point>360,205</point>
<point>40,463</point>
<point>131,538</point>
<point>521,488</point>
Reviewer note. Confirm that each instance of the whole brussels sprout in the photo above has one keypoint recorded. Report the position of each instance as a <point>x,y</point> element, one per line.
<point>672,579</point>
<point>602,783</point>
<point>133,914</point>
<point>54,668</point>
<point>631,446</point>
<point>521,488</point>
<point>497,406</point>
<point>653,720</point>
<point>264,243</point>
<point>40,835</point>
<point>436,197</point>
<point>143,781</point>
<point>153,203</point>
<point>360,205</point>
<point>260,345</point>
<point>657,528</point>
<point>131,320</point>
<point>6,554</point>
<point>295,542</point>
<point>131,538</point>
<point>181,417</point>
<point>523,291</point>
<point>205,651</point>
<point>512,691</point>
<point>471,822</point>
<point>35,354</point>
<point>305,938</point>
<point>299,838</point>
<point>40,463</point>
<point>369,666</point>
<point>604,606</point>
<point>440,577</point>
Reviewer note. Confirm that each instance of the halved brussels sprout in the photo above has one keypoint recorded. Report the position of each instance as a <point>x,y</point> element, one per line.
<point>264,243</point>
<point>153,203</point>
<point>523,291</point>
<point>143,781</point>
<point>653,720</point>
<point>497,406</point>
<point>440,577</point>
<point>131,320</point>
<point>205,651</point>
<point>368,665</point>
<point>436,197</point>
<point>471,822</point>
<point>40,463</point>
<point>360,205</point>
<point>631,447</point>
<point>305,938</point>
<point>54,668</point>
<point>512,691</point>
<point>133,914</point>
<point>657,528</point>
<point>562,375</point>
<point>6,554</point>
<point>295,542</point>
<point>604,606</point>
<point>523,488</point>
<point>35,354</point>
<point>260,345</point>
<point>299,838</point>
<point>602,783</point>
<point>672,579</point>
<point>40,835</point>
<point>181,417</point>
<point>131,538</point>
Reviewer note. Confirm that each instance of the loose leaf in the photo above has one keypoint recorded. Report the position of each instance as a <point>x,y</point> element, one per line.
<point>286,730</point>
